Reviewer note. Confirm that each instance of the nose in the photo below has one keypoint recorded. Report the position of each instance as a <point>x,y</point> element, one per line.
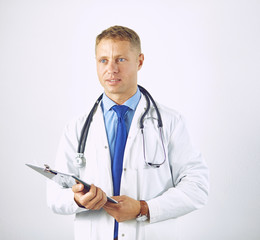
<point>112,67</point>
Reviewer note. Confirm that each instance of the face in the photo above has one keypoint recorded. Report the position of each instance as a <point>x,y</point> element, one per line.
<point>117,67</point>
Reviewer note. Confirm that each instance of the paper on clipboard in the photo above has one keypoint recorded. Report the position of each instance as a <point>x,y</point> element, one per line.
<point>65,180</point>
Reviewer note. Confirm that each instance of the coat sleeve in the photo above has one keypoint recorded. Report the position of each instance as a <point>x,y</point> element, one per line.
<point>61,200</point>
<point>190,178</point>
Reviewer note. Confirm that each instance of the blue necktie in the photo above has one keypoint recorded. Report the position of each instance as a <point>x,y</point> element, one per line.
<point>117,163</point>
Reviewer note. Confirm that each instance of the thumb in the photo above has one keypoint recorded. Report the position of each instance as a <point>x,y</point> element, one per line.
<point>77,188</point>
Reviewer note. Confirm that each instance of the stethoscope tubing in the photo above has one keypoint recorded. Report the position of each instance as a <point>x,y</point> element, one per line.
<point>80,159</point>
<point>149,97</point>
<point>86,126</point>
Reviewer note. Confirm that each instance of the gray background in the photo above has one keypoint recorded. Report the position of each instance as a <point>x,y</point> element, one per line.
<point>202,58</point>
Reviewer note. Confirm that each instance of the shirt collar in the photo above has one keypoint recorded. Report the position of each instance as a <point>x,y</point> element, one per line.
<point>131,102</point>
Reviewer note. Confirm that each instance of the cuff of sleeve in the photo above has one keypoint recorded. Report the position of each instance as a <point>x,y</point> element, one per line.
<point>154,210</point>
<point>78,209</point>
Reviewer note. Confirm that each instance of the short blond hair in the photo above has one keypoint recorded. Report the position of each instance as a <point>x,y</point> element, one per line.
<point>122,34</point>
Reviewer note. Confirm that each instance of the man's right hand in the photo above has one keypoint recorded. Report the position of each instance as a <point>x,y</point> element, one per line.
<point>94,199</point>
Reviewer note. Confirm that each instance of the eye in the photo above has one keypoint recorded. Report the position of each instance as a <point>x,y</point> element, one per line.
<point>121,59</point>
<point>103,61</point>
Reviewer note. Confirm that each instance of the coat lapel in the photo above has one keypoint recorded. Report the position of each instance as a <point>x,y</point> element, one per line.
<point>135,128</point>
<point>102,152</point>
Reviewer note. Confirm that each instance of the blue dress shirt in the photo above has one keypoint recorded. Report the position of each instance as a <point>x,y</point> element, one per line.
<point>110,117</point>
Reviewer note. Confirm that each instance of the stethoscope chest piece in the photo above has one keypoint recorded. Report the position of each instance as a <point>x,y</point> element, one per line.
<point>80,161</point>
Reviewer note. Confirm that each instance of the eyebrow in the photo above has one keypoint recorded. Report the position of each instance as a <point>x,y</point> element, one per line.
<point>117,56</point>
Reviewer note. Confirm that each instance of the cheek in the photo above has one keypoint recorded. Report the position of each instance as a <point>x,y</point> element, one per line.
<point>129,70</point>
<point>100,70</point>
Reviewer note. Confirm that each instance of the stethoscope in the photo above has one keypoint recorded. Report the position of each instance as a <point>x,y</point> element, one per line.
<point>80,160</point>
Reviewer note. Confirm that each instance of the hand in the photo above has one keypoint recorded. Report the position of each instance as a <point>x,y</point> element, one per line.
<point>94,199</point>
<point>126,209</point>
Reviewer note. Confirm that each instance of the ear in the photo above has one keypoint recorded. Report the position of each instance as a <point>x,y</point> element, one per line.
<point>140,60</point>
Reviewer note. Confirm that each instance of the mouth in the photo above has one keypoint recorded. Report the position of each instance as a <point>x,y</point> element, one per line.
<point>112,81</point>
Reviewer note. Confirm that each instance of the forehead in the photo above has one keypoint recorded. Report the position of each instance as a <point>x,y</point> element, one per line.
<point>110,46</point>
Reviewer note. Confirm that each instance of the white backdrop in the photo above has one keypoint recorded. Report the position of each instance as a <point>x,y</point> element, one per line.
<point>202,58</point>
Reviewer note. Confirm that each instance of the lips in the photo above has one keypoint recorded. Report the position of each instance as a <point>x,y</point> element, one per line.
<point>113,80</point>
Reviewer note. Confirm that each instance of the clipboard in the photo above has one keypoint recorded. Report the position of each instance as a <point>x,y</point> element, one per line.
<point>65,180</point>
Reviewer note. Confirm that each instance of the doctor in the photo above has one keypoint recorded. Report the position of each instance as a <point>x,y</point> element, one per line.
<point>150,199</point>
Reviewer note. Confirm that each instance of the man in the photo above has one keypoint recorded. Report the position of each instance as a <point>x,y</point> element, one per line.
<point>149,199</point>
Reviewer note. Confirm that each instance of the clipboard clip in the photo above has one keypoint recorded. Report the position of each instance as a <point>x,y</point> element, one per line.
<point>48,169</point>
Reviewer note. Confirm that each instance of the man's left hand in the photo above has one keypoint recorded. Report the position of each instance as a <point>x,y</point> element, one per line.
<point>126,209</point>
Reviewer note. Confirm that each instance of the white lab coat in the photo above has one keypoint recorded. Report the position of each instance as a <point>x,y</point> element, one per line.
<point>178,187</point>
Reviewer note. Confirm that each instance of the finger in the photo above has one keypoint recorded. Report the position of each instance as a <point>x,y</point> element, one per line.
<point>94,198</point>
<point>77,188</point>
<point>118,198</point>
<point>92,192</point>
<point>86,199</point>
<point>110,207</point>
<point>102,201</point>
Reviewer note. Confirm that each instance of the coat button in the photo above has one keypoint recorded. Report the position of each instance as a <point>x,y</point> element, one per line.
<point>124,169</point>
<point>105,147</point>
<point>123,235</point>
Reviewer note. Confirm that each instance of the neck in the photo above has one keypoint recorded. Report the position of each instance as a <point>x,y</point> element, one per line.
<point>121,98</point>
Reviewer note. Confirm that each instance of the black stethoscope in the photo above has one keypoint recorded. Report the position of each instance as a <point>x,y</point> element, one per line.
<point>80,160</point>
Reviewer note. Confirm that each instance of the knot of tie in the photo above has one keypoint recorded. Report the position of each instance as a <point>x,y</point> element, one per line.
<point>120,110</point>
